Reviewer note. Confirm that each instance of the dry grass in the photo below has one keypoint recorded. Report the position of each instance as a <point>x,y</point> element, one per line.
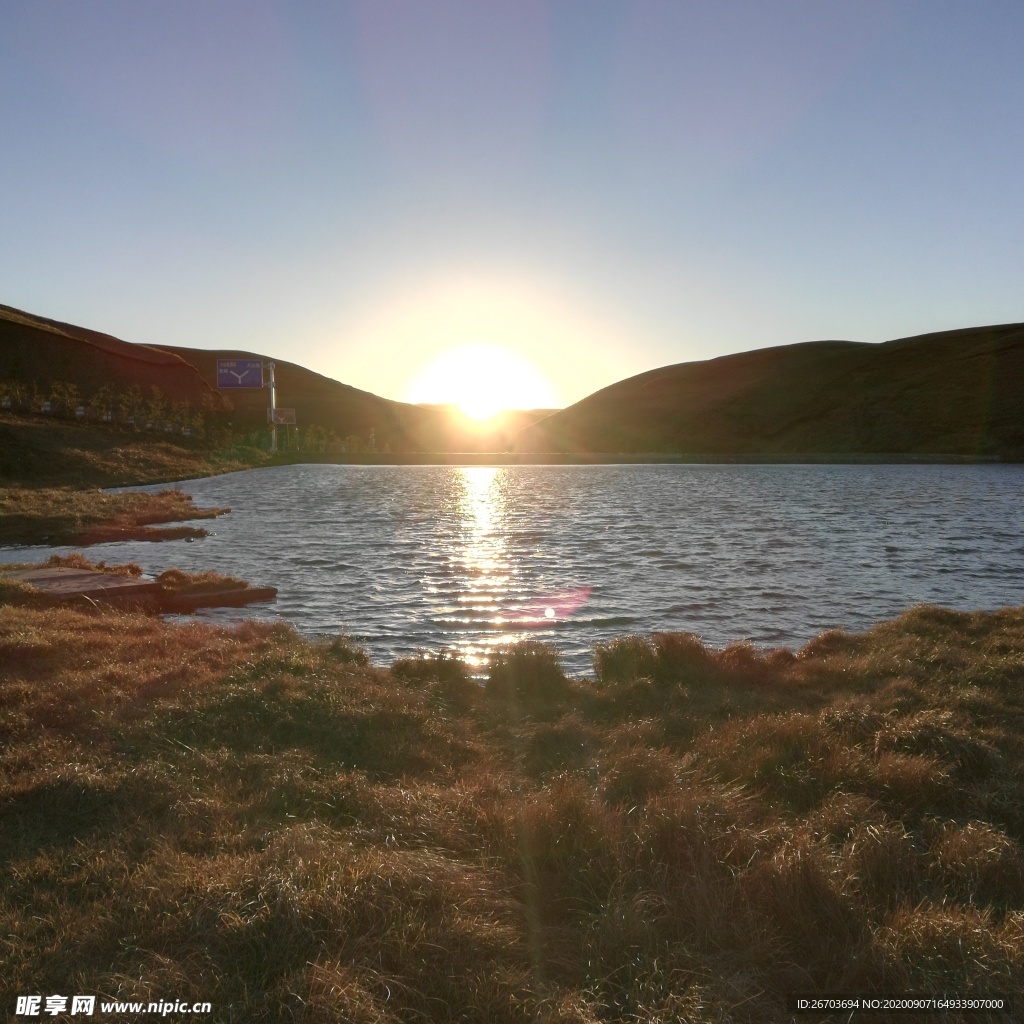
<point>39,452</point>
<point>175,581</point>
<point>178,591</point>
<point>76,560</point>
<point>274,825</point>
<point>64,515</point>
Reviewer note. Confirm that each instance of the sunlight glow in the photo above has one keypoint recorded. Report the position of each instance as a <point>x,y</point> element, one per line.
<point>482,379</point>
<point>403,324</point>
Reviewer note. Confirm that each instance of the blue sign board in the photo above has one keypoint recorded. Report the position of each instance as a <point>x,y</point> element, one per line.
<point>239,373</point>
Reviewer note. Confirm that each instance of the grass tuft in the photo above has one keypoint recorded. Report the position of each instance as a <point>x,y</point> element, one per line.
<point>527,677</point>
<point>346,651</point>
<point>444,677</point>
<point>624,659</point>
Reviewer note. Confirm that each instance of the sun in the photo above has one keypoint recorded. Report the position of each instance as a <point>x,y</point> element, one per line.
<point>482,379</point>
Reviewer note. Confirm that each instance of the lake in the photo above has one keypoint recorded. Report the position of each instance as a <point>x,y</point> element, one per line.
<point>409,558</point>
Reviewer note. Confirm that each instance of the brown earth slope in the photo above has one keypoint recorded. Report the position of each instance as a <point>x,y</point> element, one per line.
<point>39,352</point>
<point>956,392</point>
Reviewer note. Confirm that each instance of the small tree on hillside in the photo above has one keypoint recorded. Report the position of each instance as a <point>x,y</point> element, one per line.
<point>63,397</point>
<point>311,439</point>
<point>129,405</point>
<point>56,397</point>
<point>181,414</point>
<point>102,402</point>
<point>13,394</point>
<point>155,406</point>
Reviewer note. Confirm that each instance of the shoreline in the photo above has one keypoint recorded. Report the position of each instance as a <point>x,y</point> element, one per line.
<point>270,460</point>
<point>65,516</point>
<point>73,581</point>
<point>623,458</point>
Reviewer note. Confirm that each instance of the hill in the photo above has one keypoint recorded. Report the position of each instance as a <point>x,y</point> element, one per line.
<point>40,451</point>
<point>38,353</point>
<point>957,392</point>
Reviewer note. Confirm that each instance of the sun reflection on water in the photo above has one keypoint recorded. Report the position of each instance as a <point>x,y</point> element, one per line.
<point>497,603</point>
<point>485,552</point>
<point>488,571</point>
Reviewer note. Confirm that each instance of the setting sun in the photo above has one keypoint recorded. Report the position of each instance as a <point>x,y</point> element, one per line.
<point>482,380</point>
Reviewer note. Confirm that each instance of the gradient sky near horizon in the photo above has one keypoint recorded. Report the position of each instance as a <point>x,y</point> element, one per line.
<point>599,187</point>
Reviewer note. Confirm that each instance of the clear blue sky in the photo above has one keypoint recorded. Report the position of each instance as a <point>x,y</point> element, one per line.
<point>604,187</point>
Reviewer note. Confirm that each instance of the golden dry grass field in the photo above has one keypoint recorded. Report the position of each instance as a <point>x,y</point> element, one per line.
<point>246,817</point>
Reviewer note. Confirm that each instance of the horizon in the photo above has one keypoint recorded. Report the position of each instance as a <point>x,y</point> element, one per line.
<point>488,416</point>
<point>590,193</point>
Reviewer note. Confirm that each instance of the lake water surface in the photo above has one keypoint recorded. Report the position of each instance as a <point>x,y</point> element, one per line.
<point>470,558</point>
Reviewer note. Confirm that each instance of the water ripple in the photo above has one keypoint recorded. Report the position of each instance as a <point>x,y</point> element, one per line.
<point>424,557</point>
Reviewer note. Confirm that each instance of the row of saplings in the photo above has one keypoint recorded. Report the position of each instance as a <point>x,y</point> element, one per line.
<point>128,408</point>
<point>157,414</point>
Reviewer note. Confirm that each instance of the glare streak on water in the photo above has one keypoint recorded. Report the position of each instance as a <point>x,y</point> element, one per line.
<point>470,558</point>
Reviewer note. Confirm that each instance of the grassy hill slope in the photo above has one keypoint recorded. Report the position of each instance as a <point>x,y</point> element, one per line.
<point>956,391</point>
<point>959,392</point>
<point>39,451</point>
<point>38,351</point>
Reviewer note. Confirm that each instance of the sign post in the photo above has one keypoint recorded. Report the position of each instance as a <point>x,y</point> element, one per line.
<point>239,373</point>
<point>273,410</point>
<point>284,418</point>
<point>248,373</point>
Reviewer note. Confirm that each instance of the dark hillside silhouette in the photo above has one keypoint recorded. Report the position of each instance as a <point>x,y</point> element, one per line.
<point>37,351</point>
<point>957,392</point>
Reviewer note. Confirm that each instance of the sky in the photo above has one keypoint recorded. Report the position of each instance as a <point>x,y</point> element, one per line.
<point>560,194</point>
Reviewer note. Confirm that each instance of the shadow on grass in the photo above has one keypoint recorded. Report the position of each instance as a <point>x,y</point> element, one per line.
<point>384,742</point>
